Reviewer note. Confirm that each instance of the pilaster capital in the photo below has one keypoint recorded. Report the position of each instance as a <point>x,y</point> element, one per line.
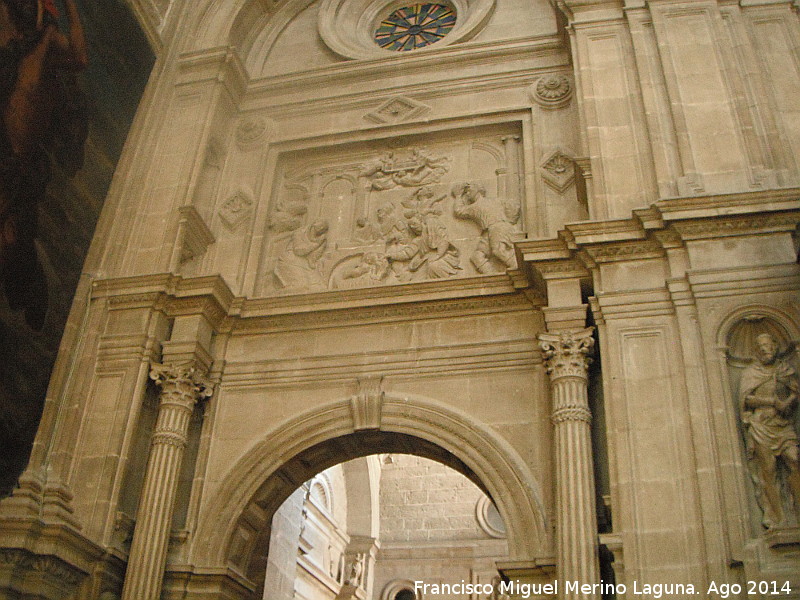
<point>567,353</point>
<point>181,384</point>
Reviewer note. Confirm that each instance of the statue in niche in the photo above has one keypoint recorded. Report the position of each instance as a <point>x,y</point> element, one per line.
<point>43,114</point>
<point>496,230</point>
<point>390,171</point>
<point>300,264</point>
<point>355,575</point>
<point>768,395</point>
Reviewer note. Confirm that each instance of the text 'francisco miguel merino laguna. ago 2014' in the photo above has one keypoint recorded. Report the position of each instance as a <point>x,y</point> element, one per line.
<point>650,590</point>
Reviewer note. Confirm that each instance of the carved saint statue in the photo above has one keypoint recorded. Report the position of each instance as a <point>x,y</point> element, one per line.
<point>356,573</point>
<point>768,393</point>
<point>496,230</point>
<point>299,266</point>
<point>42,111</point>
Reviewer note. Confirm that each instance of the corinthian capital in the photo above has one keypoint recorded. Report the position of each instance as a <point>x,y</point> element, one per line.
<point>567,353</point>
<point>181,383</point>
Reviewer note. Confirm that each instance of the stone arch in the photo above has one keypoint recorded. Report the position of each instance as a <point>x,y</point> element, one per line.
<point>789,324</point>
<point>733,341</point>
<point>234,529</point>
<point>243,24</point>
<point>396,586</point>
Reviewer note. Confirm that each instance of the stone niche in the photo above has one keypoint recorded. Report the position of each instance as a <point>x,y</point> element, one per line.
<point>392,212</point>
<point>763,366</point>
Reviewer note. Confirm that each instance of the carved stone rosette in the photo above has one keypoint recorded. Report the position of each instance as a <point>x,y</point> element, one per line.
<point>181,388</point>
<point>567,359</point>
<point>552,91</point>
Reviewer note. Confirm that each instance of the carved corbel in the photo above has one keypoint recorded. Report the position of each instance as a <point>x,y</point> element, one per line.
<point>367,404</point>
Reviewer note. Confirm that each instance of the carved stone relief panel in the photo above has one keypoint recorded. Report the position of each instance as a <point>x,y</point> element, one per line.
<point>399,211</point>
<point>763,367</point>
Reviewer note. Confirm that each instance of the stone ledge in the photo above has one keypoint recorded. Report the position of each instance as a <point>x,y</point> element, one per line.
<point>783,536</point>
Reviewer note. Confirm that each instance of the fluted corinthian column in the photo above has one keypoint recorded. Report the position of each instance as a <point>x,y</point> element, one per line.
<point>181,387</point>
<point>567,361</point>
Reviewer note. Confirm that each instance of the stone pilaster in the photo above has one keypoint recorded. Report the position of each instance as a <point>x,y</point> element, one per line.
<point>181,388</point>
<point>567,360</point>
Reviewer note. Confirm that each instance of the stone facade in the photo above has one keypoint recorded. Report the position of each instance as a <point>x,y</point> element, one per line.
<point>458,252</point>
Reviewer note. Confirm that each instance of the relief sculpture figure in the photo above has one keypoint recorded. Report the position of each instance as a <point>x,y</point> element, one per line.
<point>371,269</point>
<point>430,252</point>
<point>418,168</point>
<point>496,231</point>
<point>354,577</point>
<point>42,111</point>
<point>300,264</point>
<point>768,394</point>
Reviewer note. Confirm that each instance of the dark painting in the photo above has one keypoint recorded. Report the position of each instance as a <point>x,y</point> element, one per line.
<point>71,76</point>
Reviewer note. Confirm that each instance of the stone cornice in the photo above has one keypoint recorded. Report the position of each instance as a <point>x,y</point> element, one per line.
<point>523,61</point>
<point>220,64</point>
<point>57,544</point>
<point>668,220</point>
<point>667,224</point>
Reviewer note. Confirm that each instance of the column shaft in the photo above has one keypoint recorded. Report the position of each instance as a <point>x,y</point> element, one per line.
<point>567,362</point>
<point>180,391</point>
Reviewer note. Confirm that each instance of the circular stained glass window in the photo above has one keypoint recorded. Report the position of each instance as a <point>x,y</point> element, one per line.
<point>415,26</point>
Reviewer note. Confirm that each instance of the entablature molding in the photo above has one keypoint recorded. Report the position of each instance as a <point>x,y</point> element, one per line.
<point>581,248</point>
<point>221,64</point>
<point>437,361</point>
<point>210,296</point>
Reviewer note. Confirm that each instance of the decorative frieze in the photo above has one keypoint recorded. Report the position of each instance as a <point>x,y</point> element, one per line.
<point>360,219</point>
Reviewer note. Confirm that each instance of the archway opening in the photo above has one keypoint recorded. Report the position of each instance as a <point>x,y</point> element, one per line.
<point>378,527</point>
<point>408,501</point>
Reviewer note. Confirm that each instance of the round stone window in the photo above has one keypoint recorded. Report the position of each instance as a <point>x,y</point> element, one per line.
<point>415,26</point>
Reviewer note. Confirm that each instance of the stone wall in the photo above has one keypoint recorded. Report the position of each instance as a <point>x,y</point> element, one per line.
<point>422,500</point>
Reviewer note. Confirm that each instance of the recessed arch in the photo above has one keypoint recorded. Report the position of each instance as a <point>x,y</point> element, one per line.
<point>754,310</point>
<point>234,530</point>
